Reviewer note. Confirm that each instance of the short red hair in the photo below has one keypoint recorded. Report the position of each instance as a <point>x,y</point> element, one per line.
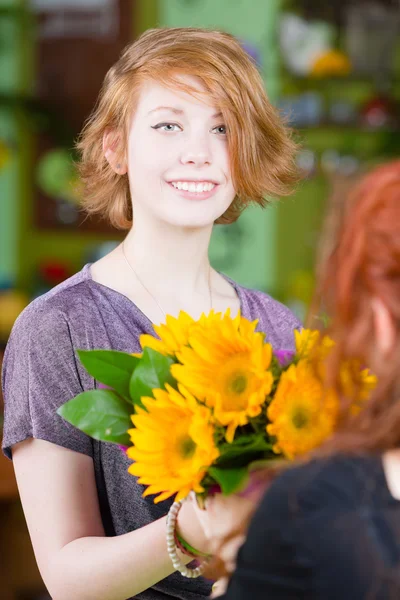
<point>260,146</point>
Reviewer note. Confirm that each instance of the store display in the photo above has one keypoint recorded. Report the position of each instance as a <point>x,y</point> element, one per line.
<point>12,302</point>
<point>380,111</point>
<point>308,48</point>
<point>50,273</point>
<point>5,153</point>
<point>371,34</point>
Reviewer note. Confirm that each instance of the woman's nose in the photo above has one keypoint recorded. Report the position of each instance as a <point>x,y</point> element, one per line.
<point>197,154</point>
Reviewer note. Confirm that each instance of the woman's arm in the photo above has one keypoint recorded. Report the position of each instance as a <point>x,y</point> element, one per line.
<point>58,493</point>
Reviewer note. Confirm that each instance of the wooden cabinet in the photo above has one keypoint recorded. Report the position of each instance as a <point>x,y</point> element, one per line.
<point>19,576</point>
<point>8,486</point>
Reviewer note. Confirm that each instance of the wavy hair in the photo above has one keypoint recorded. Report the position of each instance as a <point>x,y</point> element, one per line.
<point>261,149</point>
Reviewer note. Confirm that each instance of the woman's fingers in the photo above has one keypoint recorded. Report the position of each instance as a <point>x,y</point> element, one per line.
<point>219,588</point>
<point>202,514</point>
<point>229,551</point>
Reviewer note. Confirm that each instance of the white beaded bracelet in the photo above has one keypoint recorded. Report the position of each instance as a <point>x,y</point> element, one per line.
<point>171,545</point>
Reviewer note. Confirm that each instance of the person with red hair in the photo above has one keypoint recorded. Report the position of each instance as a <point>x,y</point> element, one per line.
<point>329,527</point>
<point>183,137</point>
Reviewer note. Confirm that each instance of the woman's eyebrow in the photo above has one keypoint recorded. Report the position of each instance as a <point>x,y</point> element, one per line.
<point>179,111</point>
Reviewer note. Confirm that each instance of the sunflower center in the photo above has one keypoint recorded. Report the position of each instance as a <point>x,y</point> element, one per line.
<point>238,384</point>
<point>300,418</point>
<point>186,447</point>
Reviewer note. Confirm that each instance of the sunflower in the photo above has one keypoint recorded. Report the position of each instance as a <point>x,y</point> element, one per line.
<point>226,367</point>
<point>173,444</point>
<point>357,384</point>
<point>174,334</point>
<point>302,414</point>
<point>310,344</point>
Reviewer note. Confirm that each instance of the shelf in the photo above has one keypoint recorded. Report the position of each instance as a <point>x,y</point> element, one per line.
<point>8,484</point>
<point>345,129</point>
<point>348,79</point>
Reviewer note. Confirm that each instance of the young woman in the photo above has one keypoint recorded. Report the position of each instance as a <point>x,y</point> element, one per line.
<point>183,137</point>
<point>330,528</point>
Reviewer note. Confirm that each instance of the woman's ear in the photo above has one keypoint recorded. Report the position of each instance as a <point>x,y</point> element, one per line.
<point>384,329</point>
<point>112,152</point>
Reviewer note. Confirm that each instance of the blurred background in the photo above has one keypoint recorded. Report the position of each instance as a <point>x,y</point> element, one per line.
<point>333,70</point>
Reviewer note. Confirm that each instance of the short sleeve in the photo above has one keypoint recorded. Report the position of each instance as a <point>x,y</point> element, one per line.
<point>284,325</point>
<point>39,375</point>
<point>275,319</point>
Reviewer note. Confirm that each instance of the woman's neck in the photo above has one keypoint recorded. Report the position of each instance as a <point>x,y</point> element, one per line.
<point>170,259</point>
<point>163,271</point>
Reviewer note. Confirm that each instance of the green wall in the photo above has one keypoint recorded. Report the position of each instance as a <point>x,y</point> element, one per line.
<point>69,246</point>
<point>11,163</point>
<point>8,205</point>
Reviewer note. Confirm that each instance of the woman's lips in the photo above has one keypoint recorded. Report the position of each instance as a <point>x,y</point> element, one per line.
<point>195,195</point>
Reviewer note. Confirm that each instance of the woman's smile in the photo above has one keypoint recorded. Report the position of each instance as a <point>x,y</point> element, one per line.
<point>194,190</point>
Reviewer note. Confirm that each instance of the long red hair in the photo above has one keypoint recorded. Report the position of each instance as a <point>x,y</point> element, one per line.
<point>365,265</point>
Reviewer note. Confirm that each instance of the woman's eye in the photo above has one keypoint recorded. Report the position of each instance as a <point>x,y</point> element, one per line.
<point>220,130</point>
<point>168,127</point>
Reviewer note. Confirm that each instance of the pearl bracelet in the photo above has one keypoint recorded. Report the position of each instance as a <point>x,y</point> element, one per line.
<point>171,545</point>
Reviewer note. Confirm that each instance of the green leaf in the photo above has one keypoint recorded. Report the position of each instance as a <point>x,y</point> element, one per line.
<point>241,450</point>
<point>110,367</point>
<point>153,371</point>
<point>102,414</point>
<point>230,480</point>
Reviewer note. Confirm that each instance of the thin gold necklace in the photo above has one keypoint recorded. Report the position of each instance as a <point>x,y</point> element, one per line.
<point>149,292</point>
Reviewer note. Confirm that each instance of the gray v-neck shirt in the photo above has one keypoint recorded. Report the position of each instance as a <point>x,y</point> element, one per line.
<point>41,372</point>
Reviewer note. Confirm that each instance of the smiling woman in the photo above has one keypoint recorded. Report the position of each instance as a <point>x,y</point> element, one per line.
<point>183,136</point>
<point>194,188</point>
<point>175,153</point>
<point>261,151</point>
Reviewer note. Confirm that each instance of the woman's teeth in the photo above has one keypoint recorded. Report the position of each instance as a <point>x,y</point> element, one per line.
<point>191,186</point>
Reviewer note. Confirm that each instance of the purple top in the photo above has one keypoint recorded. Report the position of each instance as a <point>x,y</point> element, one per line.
<point>41,372</point>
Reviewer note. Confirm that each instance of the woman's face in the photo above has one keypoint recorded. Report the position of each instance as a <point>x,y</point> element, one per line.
<point>178,164</point>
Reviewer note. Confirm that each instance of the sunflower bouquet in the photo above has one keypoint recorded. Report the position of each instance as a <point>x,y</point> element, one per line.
<point>209,401</point>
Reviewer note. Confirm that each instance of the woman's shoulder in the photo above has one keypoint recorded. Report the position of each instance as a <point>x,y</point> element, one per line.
<point>325,484</point>
<point>40,371</point>
<point>276,320</point>
<point>54,307</point>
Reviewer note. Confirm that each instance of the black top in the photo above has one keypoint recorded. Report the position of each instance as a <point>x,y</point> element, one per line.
<point>325,530</point>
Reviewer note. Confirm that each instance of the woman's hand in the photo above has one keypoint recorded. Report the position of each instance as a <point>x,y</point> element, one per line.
<point>223,515</point>
<point>225,519</point>
<point>190,527</point>
<point>205,529</point>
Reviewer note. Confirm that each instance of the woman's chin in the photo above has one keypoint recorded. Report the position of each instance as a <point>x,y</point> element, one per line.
<point>190,221</point>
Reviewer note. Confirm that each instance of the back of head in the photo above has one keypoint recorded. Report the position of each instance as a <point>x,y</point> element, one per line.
<point>260,148</point>
<point>365,265</point>
<point>364,268</point>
